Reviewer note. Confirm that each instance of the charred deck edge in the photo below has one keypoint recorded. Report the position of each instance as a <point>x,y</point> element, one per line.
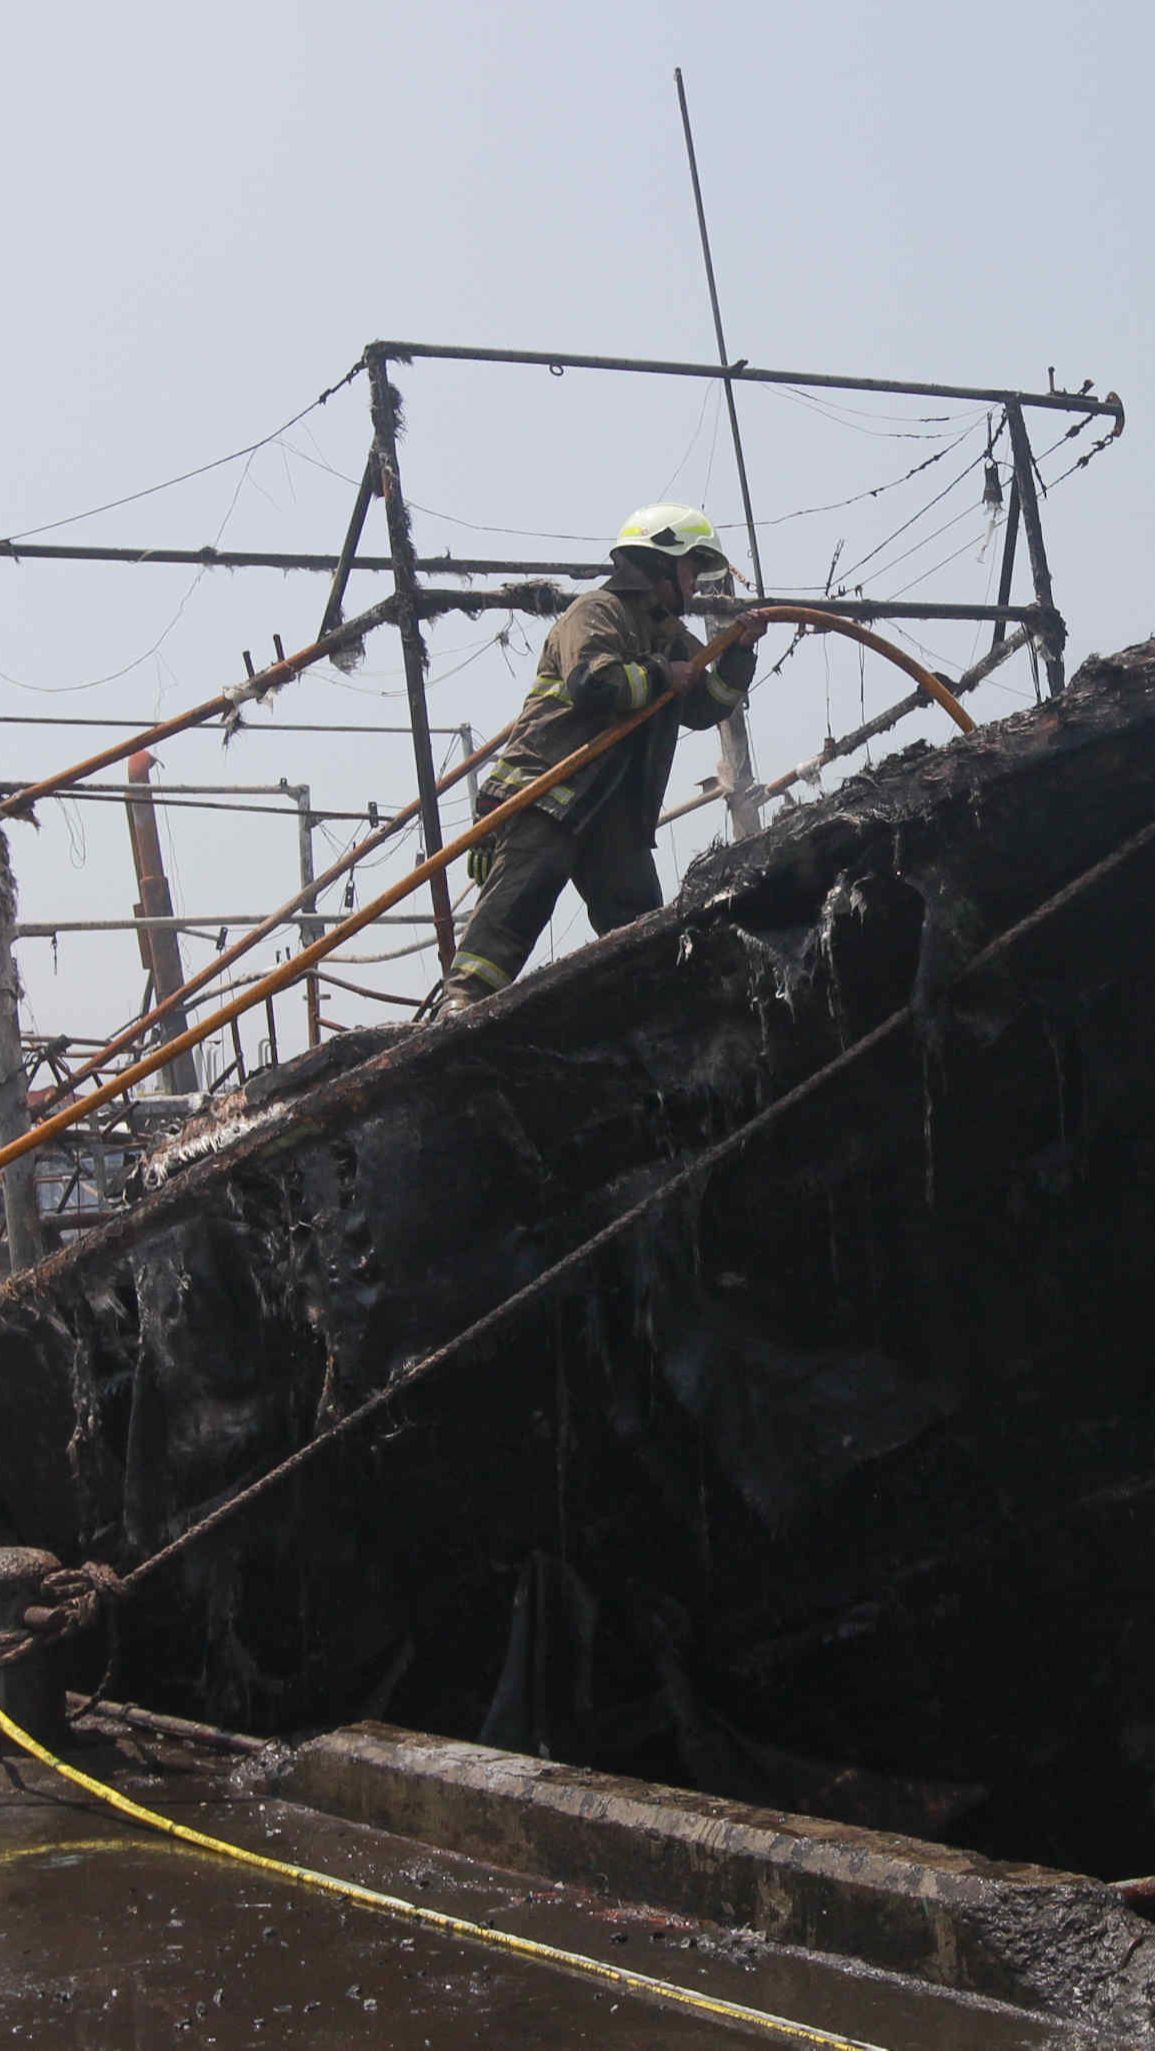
<point>1048,1942</point>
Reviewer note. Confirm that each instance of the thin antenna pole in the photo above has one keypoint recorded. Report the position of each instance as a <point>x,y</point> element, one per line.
<point>723,357</point>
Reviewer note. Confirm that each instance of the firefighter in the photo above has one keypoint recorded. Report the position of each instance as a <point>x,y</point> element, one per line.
<point>610,653</point>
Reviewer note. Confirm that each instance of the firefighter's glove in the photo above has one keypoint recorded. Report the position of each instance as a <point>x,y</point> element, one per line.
<point>479,862</point>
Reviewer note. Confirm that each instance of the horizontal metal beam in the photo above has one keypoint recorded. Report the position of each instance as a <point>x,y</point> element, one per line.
<point>558,360</point>
<point>546,600</point>
<point>115,794</point>
<point>46,930</point>
<point>211,726</point>
<point>267,559</point>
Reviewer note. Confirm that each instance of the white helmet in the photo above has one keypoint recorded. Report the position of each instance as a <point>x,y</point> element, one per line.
<point>675,531</point>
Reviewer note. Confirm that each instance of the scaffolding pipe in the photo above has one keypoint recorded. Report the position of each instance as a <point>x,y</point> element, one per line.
<point>291,971</point>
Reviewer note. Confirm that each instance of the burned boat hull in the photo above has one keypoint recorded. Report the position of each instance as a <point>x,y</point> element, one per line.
<point>845,1458</point>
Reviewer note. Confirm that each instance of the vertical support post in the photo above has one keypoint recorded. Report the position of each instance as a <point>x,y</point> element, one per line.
<point>1006,574</point>
<point>161,942</point>
<point>736,766</point>
<point>24,1238</point>
<point>1053,631</point>
<point>472,780</point>
<point>307,927</point>
<point>385,407</point>
<point>271,1022</point>
<point>737,775</point>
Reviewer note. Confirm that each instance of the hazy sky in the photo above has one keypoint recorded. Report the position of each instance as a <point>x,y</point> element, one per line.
<point>210,212</point>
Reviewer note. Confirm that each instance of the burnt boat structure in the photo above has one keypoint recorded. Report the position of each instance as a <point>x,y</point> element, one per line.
<point>828,1483</point>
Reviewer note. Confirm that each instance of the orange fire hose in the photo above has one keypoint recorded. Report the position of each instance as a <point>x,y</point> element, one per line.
<point>291,971</point>
<point>833,623</point>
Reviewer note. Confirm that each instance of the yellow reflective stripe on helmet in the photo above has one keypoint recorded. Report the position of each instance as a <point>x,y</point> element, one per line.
<point>551,687</point>
<point>638,682</point>
<point>485,971</point>
<point>723,694</point>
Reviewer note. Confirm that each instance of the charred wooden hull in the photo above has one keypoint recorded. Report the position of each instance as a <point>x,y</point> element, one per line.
<point>847,1459</point>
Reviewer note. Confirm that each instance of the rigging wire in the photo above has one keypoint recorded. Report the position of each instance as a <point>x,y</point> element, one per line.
<point>672,480</point>
<point>93,683</point>
<point>975,542</point>
<point>218,462</point>
<point>915,547</point>
<point>824,409</point>
<point>913,520</point>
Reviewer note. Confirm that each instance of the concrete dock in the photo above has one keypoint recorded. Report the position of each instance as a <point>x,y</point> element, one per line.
<point>112,1937</point>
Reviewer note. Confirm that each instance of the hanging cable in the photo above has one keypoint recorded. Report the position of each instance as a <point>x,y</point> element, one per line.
<point>202,470</point>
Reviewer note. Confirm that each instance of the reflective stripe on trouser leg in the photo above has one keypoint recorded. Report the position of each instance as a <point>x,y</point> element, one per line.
<point>532,860</point>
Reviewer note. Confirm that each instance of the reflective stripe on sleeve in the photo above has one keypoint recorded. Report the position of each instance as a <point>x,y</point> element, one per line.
<point>485,971</point>
<point>722,693</point>
<point>551,687</point>
<point>637,678</point>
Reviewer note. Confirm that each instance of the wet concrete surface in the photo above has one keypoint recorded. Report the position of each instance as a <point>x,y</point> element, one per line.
<point>112,1939</point>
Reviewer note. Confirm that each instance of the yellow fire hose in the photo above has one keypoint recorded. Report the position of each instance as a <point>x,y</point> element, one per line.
<point>622,1978</point>
<point>291,971</point>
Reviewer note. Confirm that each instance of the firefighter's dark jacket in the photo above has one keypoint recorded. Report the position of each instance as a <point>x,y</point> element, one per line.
<point>593,670</point>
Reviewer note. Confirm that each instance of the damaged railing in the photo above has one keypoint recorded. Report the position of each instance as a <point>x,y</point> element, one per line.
<point>300,965</point>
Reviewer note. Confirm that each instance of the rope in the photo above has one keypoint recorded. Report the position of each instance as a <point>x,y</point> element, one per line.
<point>622,1978</point>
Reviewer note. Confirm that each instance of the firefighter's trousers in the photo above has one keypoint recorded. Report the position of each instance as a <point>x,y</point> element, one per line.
<point>609,863</point>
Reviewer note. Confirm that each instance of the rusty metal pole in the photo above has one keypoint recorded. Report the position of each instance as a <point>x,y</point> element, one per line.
<point>1053,633</point>
<point>162,943</point>
<point>25,1242</point>
<point>1006,573</point>
<point>308,927</point>
<point>385,407</point>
